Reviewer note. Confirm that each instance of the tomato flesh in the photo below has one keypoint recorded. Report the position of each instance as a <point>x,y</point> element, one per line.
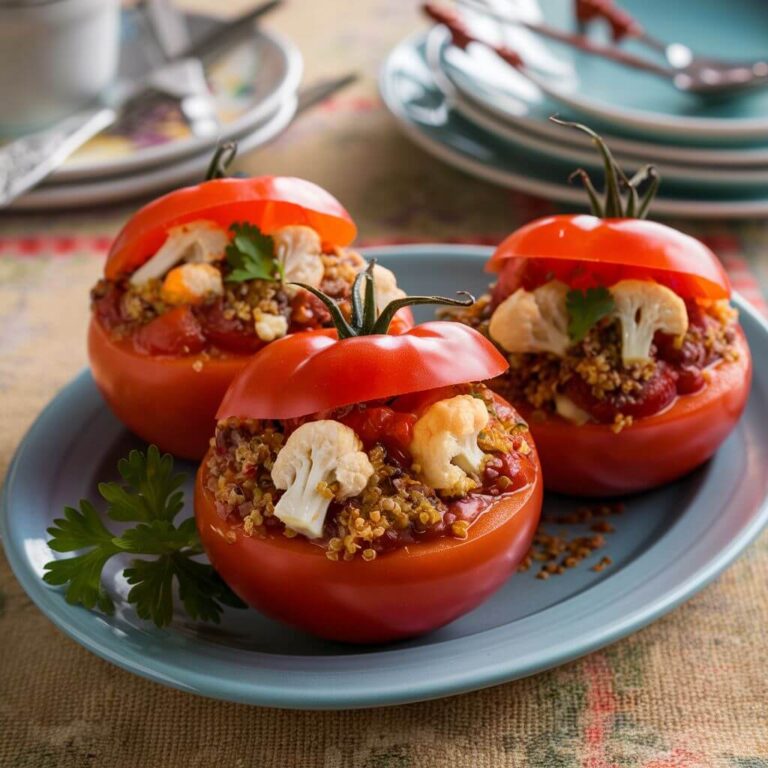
<point>176,332</point>
<point>592,460</point>
<point>406,590</point>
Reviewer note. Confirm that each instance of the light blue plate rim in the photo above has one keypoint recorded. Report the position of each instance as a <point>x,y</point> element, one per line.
<point>475,151</point>
<point>649,587</point>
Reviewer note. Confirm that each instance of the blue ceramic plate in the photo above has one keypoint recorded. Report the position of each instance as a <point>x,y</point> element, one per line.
<point>668,544</point>
<point>632,100</point>
<point>428,117</point>
<point>481,85</point>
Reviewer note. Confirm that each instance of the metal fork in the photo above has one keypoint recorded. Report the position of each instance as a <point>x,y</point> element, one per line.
<point>686,71</point>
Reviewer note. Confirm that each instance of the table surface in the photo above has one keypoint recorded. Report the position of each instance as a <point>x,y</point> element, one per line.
<point>688,691</point>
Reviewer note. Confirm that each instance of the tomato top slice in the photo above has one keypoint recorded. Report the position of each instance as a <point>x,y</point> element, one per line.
<point>315,371</point>
<point>586,250</point>
<point>269,202</point>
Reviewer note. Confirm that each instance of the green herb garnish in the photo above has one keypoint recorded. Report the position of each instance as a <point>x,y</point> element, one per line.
<point>149,496</point>
<point>251,255</point>
<point>585,308</point>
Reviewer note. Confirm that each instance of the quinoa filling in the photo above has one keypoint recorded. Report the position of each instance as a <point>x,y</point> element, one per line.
<point>236,321</point>
<point>396,507</point>
<point>591,373</point>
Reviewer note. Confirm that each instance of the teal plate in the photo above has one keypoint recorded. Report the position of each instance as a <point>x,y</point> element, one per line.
<point>428,117</point>
<point>668,544</point>
<point>635,101</point>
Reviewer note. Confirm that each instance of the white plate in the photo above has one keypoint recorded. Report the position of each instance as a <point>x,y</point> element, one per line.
<point>410,93</point>
<point>92,193</point>
<point>250,82</point>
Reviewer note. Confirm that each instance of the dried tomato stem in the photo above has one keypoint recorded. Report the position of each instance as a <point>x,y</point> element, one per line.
<point>364,321</point>
<point>389,312</point>
<point>615,181</point>
<point>223,157</point>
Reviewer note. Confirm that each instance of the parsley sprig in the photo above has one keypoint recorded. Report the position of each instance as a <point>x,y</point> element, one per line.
<point>251,255</point>
<point>151,497</point>
<point>585,308</point>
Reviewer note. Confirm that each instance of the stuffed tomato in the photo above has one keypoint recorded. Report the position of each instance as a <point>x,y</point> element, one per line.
<point>201,279</point>
<point>625,355</point>
<point>365,486</point>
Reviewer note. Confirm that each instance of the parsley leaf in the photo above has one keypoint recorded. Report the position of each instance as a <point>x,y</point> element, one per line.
<point>251,255</point>
<point>585,308</point>
<point>81,574</point>
<point>149,496</point>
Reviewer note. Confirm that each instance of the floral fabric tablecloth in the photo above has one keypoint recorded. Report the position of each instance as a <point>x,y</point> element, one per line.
<point>691,690</point>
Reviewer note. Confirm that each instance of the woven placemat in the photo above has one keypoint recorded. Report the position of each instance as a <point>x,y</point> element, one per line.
<point>688,691</point>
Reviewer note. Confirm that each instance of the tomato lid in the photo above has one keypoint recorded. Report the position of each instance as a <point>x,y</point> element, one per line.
<point>269,202</point>
<point>645,249</point>
<point>314,371</point>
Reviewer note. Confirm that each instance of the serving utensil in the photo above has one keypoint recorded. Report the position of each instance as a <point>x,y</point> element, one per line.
<point>689,72</point>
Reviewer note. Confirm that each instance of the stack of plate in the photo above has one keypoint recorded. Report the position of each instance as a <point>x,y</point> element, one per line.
<point>152,150</point>
<point>472,110</point>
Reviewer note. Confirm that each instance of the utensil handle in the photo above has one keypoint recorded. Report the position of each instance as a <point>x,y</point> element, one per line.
<point>25,162</point>
<point>621,23</point>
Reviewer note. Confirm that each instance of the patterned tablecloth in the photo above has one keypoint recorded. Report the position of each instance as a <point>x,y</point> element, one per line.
<point>690,690</point>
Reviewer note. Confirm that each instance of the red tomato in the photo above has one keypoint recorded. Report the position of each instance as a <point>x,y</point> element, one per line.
<point>164,399</point>
<point>177,332</point>
<point>592,460</point>
<point>403,592</point>
<point>169,394</point>
<point>310,372</point>
<point>585,250</point>
<point>269,202</point>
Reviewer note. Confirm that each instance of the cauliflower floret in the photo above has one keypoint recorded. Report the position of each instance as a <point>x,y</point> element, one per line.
<point>566,408</point>
<point>191,284</point>
<point>316,455</point>
<point>299,250</point>
<point>385,288</point>
<point>445,445</point>
<point>533,321</point>
<point>196,241</point>
<point>644,307</point>
<point>269,327</point>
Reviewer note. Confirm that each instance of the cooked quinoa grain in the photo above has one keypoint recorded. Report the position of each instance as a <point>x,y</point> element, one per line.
<point>591,372</point>
<point>396,507</point>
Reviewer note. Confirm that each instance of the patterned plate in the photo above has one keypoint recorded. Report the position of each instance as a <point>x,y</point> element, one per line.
<point>628,99</point>
<point>250,82</point>
<point>105,191</point>
<point>426,116</point>
<point>668,544</point>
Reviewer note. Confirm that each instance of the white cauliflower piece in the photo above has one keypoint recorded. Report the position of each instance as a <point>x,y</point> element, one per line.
<point>533,321</point>
<point>196,241</point>
<point>269,327</point>
<point>644,307</point>
<point>445,445</point>
<point>299,251</point>
<point>566,408</point>
<point>316,455</point>
<point>385,288</point>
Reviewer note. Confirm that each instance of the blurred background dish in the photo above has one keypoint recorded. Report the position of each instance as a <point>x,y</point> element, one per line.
<point>55,57</point>
<point>147,182</point>
<point>464,103</point>
<point>243,87</point>
<point>249,83</point>
<point>425,115</point>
